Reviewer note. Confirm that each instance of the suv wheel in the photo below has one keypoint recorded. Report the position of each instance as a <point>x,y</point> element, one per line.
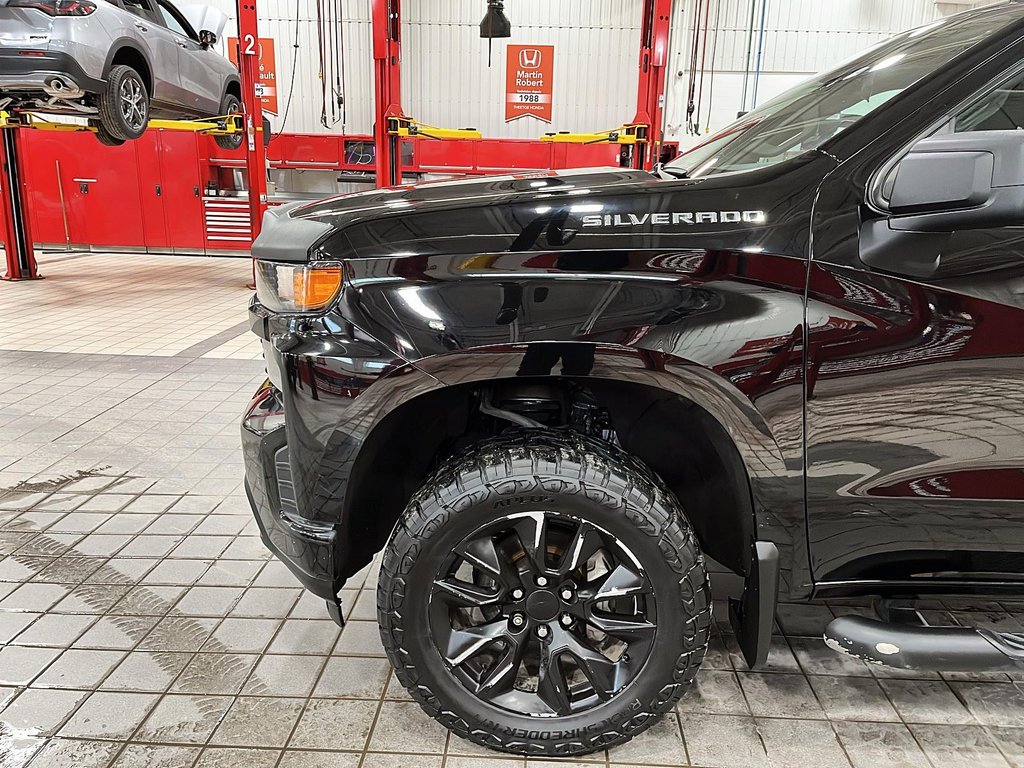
<point>124,103</point>
<point>544,595</point>
<point>230,106</point>
<point>104,137</point>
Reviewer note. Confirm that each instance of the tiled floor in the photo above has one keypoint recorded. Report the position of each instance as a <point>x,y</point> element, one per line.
<point>143,624</point>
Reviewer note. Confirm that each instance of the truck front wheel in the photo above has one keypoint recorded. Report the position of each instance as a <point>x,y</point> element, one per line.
<point>544,595</point>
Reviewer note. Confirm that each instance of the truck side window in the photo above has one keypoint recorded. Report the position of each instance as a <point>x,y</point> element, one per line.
<point>1000,109</point>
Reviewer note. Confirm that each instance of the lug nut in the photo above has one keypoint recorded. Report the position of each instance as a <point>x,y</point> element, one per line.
<point>517,594</point>
<point>566,619</point>
<point>518,619</point>
<point>542,581</point>
<point>543,631</point>
<point>567,594</point>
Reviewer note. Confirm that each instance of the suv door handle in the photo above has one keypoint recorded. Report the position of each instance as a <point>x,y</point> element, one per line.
<point>182,44</point>
<point>141,27</point>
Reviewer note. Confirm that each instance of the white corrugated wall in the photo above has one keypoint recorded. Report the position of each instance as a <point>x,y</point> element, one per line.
<point>446,80</point>
<point>278,21</point>
<point>801,37</point>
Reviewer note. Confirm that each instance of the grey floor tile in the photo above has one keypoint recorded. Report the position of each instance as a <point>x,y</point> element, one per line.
<point>178,633</point>
<point>215,673</point>
<point>360,638</point>
<point>109,715</point>
<point>403,727</point>
<point>926,701</point>
<point>295,758</point>
<point>779,695</point>
<point>208,601</point>
<point>79,669</point>
<point>184,719</point>
<point>285,675</point>
<point>306,636</point>
<point>243,635</point>
<point>661,744</point>
<point>19,665</point>
<point>880,745</point>
<point>234,757</point>
<point>958,746</point>
<point>714,692</point>
<point>266,603</point>
<point>148,671</point>
<point>54,630</point>
<point>116,632</point>
<point>798,743</point>
<point>853,698</point>
<point>156,756</point>
<point>350,676</point>
<point>41,711</point>
<point>75,753</point>
<point>723,741</point>
<point>993,703</point>
<point>334,724</point>
<point>258,722</point>
<point>12,624</point>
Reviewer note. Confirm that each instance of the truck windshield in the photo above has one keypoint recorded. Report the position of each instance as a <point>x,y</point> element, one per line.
<point>806,116</point>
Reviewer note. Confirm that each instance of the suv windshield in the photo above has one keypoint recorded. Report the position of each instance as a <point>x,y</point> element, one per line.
<point>806,116</point>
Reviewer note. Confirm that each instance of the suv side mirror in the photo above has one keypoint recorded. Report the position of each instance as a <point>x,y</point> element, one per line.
<point>207,39</point>
<point>944,184</point>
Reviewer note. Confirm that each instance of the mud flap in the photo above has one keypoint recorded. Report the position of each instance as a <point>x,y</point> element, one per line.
<point>753,614</point>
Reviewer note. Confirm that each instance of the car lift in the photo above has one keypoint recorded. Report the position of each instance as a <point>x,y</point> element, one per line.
<point>391,124</point>
<point>16,230</point>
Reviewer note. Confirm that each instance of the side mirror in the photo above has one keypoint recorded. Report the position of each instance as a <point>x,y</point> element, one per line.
<point>207,39</point>
<point>945,183</point>
<point>958,181</point>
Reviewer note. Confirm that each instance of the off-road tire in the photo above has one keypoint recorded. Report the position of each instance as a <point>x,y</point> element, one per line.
<point>103,136</point>
<point>111,116</point>
<point>498,477</point>
<point>230,105</point>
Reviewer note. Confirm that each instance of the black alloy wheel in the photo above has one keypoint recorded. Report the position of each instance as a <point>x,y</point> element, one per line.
<point>543,594</point>
<point>543,614</point>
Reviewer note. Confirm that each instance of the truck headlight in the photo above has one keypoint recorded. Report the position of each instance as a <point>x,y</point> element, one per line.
<point>297,288</point>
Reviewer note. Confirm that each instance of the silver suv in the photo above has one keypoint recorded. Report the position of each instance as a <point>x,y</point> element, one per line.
<point>115,62</point>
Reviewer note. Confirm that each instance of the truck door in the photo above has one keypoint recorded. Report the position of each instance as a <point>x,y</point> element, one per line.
<point>915,361</point>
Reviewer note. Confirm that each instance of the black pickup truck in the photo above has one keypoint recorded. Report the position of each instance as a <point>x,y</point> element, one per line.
<point>798,350</point>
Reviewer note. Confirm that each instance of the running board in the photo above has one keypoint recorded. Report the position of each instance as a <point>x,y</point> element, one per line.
<point>934,649</point>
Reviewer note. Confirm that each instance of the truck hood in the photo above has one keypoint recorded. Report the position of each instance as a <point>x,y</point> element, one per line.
<point>291,232</point>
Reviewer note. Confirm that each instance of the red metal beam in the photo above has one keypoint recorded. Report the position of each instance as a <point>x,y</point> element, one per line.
<point>650,100</point>
<point>387,77</point>
<point>255,152</point>
<point>17,231</point>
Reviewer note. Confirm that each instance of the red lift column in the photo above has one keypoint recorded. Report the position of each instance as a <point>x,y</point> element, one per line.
<point>17,233</point>
<point>387,78</point>
<point>255,151</point>
<point>650,100</point>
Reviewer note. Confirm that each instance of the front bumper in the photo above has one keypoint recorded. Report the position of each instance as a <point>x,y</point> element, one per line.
<point>34,71</point>
<point>306,547</point>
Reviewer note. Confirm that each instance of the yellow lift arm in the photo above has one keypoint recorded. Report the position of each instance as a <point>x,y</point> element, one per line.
<point>625,134</point>
<point>408,128</point>
<point>224,125</point>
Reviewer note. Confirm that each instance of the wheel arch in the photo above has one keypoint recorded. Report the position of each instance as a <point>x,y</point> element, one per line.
<point>730,452</point>
<point>125,51</point>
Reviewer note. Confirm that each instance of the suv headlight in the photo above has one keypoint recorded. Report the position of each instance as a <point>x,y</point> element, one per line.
<point>297,288</point>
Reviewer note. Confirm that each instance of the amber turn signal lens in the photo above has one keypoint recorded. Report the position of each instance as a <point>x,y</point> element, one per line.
<point>314,288</point>
<point>297,288</point>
